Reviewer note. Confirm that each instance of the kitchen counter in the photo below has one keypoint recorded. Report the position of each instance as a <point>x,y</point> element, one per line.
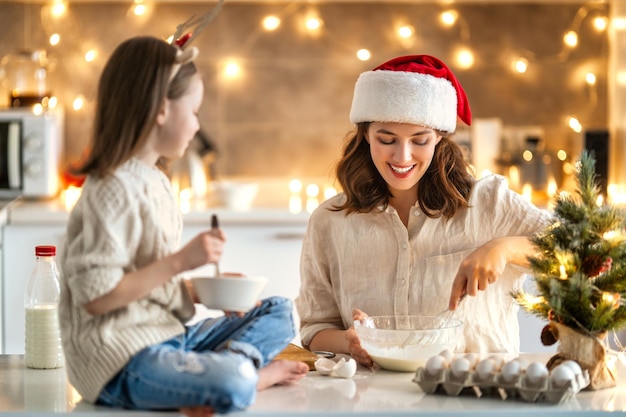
<point>380,393</point>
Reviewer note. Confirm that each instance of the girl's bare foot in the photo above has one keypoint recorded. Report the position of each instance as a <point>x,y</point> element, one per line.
<point>281,372</point>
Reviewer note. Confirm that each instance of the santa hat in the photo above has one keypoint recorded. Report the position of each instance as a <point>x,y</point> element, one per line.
<point>415,89</point>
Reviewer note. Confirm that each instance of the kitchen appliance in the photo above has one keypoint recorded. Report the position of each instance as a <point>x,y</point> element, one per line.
<point>31,148</point>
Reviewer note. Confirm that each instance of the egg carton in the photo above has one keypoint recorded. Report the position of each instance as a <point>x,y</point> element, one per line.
<point>545,388</point>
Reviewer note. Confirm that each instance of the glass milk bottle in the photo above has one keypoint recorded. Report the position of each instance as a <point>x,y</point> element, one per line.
<point>41,301</point>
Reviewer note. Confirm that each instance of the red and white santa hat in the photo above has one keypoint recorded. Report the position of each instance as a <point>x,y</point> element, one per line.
<point>415,89</point>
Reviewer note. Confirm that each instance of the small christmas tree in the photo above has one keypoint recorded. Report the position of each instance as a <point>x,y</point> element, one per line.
<point>580,276</point>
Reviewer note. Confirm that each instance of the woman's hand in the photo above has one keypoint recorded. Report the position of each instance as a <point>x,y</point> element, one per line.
<point>485,265</point>
<point>354,343</point>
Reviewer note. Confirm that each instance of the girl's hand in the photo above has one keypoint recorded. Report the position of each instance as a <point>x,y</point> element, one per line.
<point>354,343</point>
<point>207,247</point>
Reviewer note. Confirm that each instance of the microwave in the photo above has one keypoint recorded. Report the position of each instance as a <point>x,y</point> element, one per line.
<point>31,151</point>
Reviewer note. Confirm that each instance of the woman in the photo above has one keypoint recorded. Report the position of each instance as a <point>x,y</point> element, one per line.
<point>413,232</point>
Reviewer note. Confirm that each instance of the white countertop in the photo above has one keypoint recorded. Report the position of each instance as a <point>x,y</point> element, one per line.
<point>380,393</point>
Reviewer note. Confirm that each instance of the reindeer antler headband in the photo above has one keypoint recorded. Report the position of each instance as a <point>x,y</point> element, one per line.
<point>185,55</point>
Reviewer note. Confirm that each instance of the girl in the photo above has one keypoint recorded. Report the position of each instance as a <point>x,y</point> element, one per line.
<point>413,232</point>
<point>123,304</point>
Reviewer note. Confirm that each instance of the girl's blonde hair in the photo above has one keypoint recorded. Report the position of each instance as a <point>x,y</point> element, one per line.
<point>132,88</point>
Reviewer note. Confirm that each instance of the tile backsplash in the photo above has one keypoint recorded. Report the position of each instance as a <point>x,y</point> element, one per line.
<point>287,114</point>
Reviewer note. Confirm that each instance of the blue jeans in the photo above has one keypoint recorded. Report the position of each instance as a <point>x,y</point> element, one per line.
<point>214,363</point>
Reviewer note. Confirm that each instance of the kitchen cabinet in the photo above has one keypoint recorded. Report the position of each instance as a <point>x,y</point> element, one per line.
<point>262,242</point>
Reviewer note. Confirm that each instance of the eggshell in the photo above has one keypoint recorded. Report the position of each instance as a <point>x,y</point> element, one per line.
<point>486,368</point>
<point>344,369</point>
<point>510,371</point>
<point>434,364</point>
<point>561,376</point>
<point>459,366</point>
<point>324,366</point>
<point>536,372</point>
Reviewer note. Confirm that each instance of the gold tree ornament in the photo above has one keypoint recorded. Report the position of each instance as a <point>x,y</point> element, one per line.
<point>579,272</point>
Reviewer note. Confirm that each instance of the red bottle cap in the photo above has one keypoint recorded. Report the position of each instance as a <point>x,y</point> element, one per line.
<point>45,250</point>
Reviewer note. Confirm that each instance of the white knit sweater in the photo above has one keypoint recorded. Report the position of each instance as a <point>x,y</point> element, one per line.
<point>120,224</point>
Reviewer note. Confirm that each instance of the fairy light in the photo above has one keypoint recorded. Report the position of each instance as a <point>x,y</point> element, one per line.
<point>527,155</point>
<point>78,103</point>
<point>574,124</point>
<point>570,39</point>
<point>90,56</point>
<point>37,109</point>
<point>139,9</point>
<point>54,39</point>
<point>600,23</point>
<point>465,58</point>
<point>562,272</point>
<point>363,55</point>
<point>232,70</point>
<point>449,17</point>
<point>53,102</point>
<point>271,23</point>
<point>590,78</point>
<point>405,31</point>
<point>313,24</point>
<point>520,65</point>
<point>329,192</point>
<point>59,8</point>
<point>561,155</point>
<point>312,191</point>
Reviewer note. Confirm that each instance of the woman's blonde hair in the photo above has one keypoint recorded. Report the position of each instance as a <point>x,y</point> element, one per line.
<point>444,188</point>
<point>132,88</point>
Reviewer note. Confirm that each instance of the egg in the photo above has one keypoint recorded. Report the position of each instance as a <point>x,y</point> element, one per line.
<point>472,358</point>
<point>498,360</point>
<point>523,364</point>
<point>446,353</point>
<point>486,368</point>
<point>434,364</point>
<point>510,371</point>
<point>459,367</point>
<point>536,372</point>
<point>574,366</point>
<point>562,376</point>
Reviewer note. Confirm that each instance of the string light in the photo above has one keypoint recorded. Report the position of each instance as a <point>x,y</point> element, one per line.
<point>90,56</point>
<point>449,17</point>
<point>574,124</point>
<point>590,78</point>
<point>520,65</point>
<point>59,8</point>
<point>232,70</point>
<point>271,23</point>
<point>363,55</point>
<point>78,103</point>
<point>465,58</point>
<point>561,154</point>
<point>55,38</point>
<point>570,39</point>
<point>405,31</point>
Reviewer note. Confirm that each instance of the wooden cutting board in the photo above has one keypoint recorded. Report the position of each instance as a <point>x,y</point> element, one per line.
<point>296,353</point>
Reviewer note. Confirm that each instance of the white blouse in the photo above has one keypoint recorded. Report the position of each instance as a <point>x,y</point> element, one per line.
<point>373,262</point>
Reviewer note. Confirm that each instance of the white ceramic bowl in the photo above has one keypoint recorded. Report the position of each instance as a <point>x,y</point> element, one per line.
<point>230,293</point>
<point>404,343</point>
<point>235,195</point>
